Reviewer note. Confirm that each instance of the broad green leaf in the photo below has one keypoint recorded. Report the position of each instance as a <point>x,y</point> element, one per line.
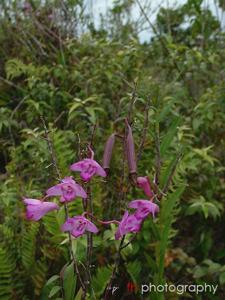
<point>69,282</point>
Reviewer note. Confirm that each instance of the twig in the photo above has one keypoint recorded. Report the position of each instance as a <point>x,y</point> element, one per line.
<point>92,135</point>
<point>54,163</point>
<point>158,157</point>
<point>130,241</point>
<point>132,101</point>
<point>160,38</point>
<point>11,84</point>
<point>59,117</point>
<point>144,130</point>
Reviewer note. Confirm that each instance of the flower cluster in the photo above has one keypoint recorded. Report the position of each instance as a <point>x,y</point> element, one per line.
<point>133,222</point>
<point>68,190</point>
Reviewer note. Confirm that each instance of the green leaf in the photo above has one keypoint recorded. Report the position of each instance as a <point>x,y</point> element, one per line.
<point>170,134</point>
<point>69,282</point>
<point>134,270</point>
<point>54,291</point>
<point>222,278</point>
<point>79,295</point>
<point>166,218</point>
<point>100,280</point>
<point>52,279</point>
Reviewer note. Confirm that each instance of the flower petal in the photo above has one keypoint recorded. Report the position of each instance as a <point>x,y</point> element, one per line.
<point>91,227</point>
<point>138,203</point>
<point>78,166</point>
<point>144,184</point>
<point>68,225</point>
<point>56,190</point>
<point>30,201</point>
<point>80,192</point>
<point>99,170</point>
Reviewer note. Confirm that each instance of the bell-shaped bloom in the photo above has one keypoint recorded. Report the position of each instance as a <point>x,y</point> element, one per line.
<point>36,209</point>
<point>144,208</point>
<point>78,225</point>
<point>144,184</point>
<point>108,152</point>
<point>129,223</point>
<point>68,189</point>
<point>88,168</point>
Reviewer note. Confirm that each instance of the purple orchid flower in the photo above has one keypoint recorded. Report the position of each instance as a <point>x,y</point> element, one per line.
<point>129,223</point>
<point>144,208</point>
<point>78,225</point>
<point>36,209</point>
<point>68,189</point>
<point>88,167</point>
<point>144,184</point>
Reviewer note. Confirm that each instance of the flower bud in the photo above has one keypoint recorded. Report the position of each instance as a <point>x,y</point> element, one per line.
<point>108,151</point>
<point>131,157</point>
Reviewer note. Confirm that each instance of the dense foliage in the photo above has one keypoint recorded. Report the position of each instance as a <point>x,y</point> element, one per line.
<point>84,80</point>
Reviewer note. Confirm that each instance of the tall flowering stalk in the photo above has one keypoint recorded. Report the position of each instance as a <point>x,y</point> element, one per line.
<point>68,190</point>
<point>54,163</point>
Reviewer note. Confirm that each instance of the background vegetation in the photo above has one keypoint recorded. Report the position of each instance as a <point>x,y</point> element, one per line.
<point>55,62</point>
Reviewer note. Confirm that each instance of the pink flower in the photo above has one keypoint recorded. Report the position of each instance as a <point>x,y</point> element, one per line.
<point>144,184</point>
<point>88,168</point>
<point>129,223</point>
<point>78,225</point>
<point>36,209</point>
<point>144,208</point>
<point>68,189</point>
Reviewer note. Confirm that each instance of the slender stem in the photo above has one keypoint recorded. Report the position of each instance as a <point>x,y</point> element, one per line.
<point>130,241</point>
<point>89,235</point>
<point>101,222</point>
<point>158,157</point>
<point>116,265</point>
<point>132,101</point>
<point>144,130</point>
<point>55,165</point>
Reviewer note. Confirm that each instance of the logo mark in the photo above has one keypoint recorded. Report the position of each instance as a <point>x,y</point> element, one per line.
<point>114,289</point>
<point>131,287</point>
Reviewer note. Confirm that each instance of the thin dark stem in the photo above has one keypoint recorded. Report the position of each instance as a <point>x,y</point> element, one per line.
<point>130,241</point>
<point>92,135</point>
<point>88,205</point>
<point>132,101</point>
<point>116,265</point>
<point>144,130</point>
<point>89,235</point>
<point>55,165</point>
<point>158,156</point>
